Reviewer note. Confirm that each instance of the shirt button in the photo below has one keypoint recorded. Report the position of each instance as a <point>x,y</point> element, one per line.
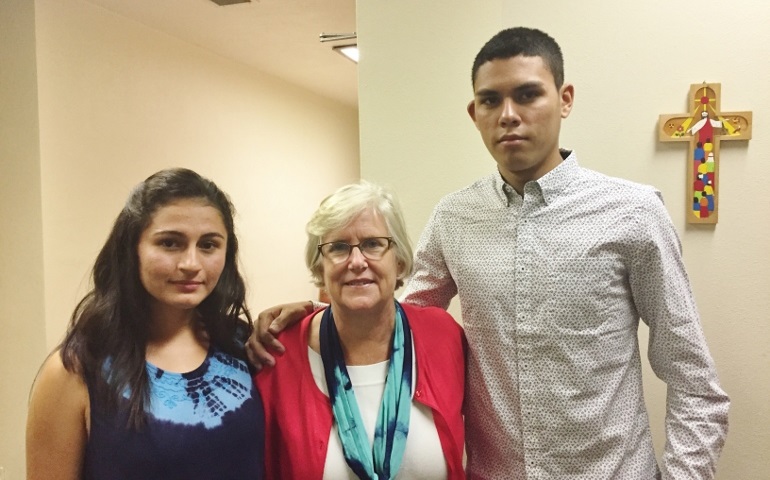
<point>418,393</point>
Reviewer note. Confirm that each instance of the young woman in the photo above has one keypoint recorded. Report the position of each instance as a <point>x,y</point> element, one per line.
<point>150,381</point>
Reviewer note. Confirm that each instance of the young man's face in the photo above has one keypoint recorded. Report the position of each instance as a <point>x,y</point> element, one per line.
<point>518,110</point>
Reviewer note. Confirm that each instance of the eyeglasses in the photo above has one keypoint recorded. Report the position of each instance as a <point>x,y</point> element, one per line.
<point>372,248</point>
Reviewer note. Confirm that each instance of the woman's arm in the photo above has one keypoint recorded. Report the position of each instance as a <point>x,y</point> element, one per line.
<point>57,423</point>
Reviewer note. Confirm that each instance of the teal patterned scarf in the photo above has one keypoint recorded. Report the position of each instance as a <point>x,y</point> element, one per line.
<point>382,460</point>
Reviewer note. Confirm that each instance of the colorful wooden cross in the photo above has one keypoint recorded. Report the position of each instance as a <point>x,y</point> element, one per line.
<point>704,127</point>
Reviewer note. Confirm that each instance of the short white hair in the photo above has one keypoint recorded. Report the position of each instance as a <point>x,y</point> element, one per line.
<point>341,207</point>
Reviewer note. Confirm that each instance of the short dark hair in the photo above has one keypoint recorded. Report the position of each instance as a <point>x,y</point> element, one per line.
<point>111,323</point>
<point>528,42</point>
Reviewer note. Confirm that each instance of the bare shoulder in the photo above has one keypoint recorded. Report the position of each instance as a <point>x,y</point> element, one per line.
<point>57,422</point>
<point>54,378</point>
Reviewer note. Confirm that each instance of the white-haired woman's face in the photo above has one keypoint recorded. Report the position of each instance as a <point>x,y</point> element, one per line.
<point>358,284</point>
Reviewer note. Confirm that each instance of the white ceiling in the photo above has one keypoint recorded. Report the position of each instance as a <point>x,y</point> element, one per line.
<point>278,37</point>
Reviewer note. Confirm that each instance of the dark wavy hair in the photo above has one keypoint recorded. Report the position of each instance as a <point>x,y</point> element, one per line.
<point>528,42</point>
<point>111,323</point>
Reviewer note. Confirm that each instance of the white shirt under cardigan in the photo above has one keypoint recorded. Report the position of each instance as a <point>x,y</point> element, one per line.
<point>552,285</point>
<point>423,456</point>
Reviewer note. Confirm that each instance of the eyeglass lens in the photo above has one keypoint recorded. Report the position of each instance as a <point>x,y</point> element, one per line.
<point>372,248</point>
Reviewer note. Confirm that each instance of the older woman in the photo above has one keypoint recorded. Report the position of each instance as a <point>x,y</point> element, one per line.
<point>368,388</point>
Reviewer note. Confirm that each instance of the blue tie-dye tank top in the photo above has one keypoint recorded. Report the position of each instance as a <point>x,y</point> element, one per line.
<point>206,424</point>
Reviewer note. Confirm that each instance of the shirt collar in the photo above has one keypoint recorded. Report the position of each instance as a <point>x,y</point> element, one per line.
<point>554,183</point>
<point>505,192</point>
<point>551,185</point>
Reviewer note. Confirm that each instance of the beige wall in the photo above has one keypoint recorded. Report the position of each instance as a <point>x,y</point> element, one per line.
<point>117,102</point>
<point>630,62</point>
<point>22,329</point>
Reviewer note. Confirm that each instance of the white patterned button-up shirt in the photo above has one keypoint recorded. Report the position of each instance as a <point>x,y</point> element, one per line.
<point>552,285</point>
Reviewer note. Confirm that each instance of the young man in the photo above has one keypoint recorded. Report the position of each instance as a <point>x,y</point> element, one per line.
<point>554,266</point>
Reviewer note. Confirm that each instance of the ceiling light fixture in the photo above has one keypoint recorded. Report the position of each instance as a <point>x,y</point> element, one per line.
<point>349,50</point>
<point>223,3</point>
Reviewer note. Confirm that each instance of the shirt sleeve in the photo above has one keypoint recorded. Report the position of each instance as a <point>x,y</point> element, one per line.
<point>431,283</point>
<point>696,413</point>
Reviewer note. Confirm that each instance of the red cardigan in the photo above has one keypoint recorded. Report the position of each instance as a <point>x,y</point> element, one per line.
<point>298,416</point>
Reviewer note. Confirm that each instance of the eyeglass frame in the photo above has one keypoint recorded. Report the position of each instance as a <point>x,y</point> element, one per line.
<point>390,240</point>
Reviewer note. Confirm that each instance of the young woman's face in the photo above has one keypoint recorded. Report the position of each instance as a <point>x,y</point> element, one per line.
<point>182,254</point>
